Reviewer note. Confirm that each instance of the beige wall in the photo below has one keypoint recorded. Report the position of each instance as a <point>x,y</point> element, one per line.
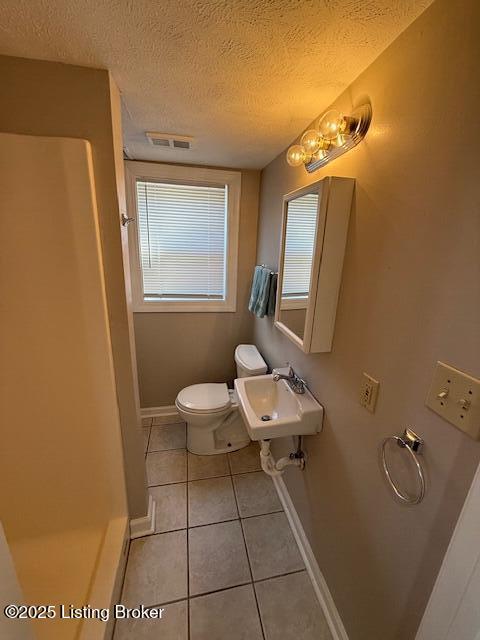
<point>409,297</point>
<point>53,99</point>
<point>175,350</point>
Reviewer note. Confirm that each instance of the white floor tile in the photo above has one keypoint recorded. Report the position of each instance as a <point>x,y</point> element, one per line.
<point>171,507</point>
<point>166,467</point>
<point>290,610</point>
<point>156,570</point>
<point>256,494</point>
<point>246,459</point>
<point>200,467</point>
<point>272,549</point>
<point>225,615</point>
<point>172,626</point>
<point>211,501</point>
<point>217,557</point>
<point>168,436</point>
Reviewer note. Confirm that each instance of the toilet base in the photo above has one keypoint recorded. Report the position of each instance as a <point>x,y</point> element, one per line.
<point>230,436</point>
<point>204,452</point>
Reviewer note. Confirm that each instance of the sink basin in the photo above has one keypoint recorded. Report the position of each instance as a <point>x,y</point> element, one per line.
<point>272,410</point>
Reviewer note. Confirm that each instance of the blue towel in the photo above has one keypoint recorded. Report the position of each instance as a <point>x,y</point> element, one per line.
<point>262,298</point>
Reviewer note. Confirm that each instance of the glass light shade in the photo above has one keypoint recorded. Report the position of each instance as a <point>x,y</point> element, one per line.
<point>331,124</point>
<point>319,155</point>
<point>311,141</point>
<point>296,155</point>
<point>338,141</point>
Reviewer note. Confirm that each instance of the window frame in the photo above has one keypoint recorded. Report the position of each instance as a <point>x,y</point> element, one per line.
<point>183,174</point>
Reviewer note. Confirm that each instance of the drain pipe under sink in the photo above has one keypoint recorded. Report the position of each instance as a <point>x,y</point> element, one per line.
<point>273,468</point>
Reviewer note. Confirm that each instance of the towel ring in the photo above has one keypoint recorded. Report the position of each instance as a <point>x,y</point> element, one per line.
<point>413,444</point>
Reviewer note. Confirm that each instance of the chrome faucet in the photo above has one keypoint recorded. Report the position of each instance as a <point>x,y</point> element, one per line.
<point>295,383</point>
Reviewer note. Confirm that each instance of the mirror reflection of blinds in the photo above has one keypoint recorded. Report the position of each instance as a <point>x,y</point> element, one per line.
<point>299,245</point>
<point>182,235</point>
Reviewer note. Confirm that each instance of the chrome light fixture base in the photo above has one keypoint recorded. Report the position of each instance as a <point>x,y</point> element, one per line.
<point>358,124</point>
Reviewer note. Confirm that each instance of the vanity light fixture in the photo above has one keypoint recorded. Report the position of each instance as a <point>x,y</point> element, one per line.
<point>333,135</point>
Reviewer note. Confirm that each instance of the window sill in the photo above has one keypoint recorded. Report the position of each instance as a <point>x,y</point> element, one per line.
<point>185,307</point>
<point>293,303</point>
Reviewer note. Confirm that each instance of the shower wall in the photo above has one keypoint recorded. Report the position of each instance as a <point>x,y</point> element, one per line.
<point>62,489</point>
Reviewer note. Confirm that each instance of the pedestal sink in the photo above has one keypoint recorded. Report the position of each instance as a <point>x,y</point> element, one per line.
<point>273,410</point>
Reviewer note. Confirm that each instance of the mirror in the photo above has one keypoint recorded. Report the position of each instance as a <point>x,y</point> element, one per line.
<point>300,226</point>
<point>314,234</point>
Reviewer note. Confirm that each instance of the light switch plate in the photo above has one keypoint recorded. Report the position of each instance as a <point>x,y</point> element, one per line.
<point>455,396</point>
<point>369,392</point>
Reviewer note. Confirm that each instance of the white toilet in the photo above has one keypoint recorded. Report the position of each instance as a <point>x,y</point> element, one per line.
<point>214,423</point>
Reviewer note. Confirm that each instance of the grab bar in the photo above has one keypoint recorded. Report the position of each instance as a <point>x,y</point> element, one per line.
<point>413,444</point>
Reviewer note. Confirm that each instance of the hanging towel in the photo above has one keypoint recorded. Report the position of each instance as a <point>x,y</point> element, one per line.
<point>257,276</point>
<point>262,298</point>
<point>261,305</point>
<point>272,295</point>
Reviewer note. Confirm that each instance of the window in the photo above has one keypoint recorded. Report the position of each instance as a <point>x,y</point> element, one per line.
<point>299,247</point>
<point>184,244</point>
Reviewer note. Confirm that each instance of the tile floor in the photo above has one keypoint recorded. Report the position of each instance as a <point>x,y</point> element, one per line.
<point>223,562</point>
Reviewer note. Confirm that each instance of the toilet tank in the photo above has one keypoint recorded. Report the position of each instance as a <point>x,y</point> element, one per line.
<point>249,361</point>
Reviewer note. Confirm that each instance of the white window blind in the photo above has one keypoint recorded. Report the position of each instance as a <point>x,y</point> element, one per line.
<point>182,236</point>
<point>299,245</point>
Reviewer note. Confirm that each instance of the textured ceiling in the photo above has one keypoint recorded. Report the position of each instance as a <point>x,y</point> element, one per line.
<point>241,76</point>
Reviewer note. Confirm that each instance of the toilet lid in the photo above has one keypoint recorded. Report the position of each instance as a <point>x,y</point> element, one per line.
<point>204,398</point>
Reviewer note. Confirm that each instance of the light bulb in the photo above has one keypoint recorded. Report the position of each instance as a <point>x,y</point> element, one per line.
<point>311,141</point>
<point>331,124</point>
<point>296,155</point>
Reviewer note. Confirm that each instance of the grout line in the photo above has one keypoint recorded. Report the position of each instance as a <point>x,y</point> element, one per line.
<point>148,440</point>
<point>167,484</point>
<point>198,595</point>
<point>224,475</point>
<point>164,604</point>
<point>159,533</point>
<point>208,593</point>
<point>188,557</point>
<point>249,565</point>
<point>259,515</point>
<point>209,478</point>
<point>280,575</point>
<point>164,450</point>
<point>207,524</point>
<point>163,484</point>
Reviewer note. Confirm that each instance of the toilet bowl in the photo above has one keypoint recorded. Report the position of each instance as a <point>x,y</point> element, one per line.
<point>214,423</point>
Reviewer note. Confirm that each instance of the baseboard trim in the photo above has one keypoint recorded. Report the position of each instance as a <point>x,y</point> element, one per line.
<point>145,525</point>
<point>318,581</point>
<point>168,411</point>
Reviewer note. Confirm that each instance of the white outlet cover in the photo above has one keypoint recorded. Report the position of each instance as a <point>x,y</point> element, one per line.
<point>461,404</point>
<point>369,392</point>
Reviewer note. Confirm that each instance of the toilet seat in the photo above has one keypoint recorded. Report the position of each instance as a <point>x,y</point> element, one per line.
<point>205,398</point>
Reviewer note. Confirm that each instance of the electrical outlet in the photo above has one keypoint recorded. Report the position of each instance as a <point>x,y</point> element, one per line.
<point>455,396</point>
<point>369,393</point>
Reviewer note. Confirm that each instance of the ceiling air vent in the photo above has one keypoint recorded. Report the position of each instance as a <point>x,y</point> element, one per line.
<point>169,140</point>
